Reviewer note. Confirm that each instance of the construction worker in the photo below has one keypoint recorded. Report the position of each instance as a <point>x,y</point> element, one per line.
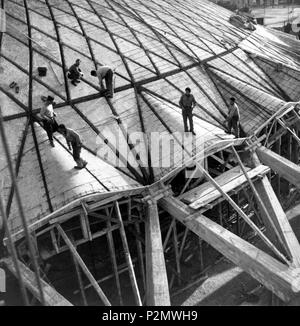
<point>48,118</point>
<point>74,143</point>
<point>233,119</point>
<point>287,28</point>
<point>74,73</point>
<point>105,72</point>
<point>187,103</point>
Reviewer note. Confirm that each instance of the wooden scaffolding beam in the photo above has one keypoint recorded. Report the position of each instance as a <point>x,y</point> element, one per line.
<point>157,280</point>
<point>128,258</point>
<point>278,216</point>
<point>285,168</point>
<point>276,276</point>
<point>81,263</point>
<point>52,297</point>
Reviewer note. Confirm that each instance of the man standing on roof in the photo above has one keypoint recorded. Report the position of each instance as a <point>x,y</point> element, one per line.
<point>74,73</point>
<point>187,103</point>
<point>74,142</point>
<point>233,118</point>
<point>48,118</point>
<point>105,72</point>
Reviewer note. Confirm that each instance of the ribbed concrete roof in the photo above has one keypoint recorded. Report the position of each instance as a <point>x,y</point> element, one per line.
<point>158,48</point>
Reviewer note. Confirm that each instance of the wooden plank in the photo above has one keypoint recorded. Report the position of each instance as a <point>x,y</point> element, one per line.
<point>52,297</point>
<point>279,218</point>
<point>230,180</point>
<point>157,280</point>
<point>206,188</point>
<point>85,223</point>
<point>277,277</point>
<point>285,168</point>
<point>214,147</point>
<point>85,227</point>
<point>54,241</point>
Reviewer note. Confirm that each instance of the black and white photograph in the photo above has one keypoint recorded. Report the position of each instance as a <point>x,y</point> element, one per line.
<point>149,156</point>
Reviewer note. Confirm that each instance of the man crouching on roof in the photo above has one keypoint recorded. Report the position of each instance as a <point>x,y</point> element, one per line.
<point>74,142</point>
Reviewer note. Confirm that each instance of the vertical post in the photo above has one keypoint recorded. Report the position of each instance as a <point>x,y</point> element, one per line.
<point>54,241</point>
<point>238,216</point>
<point>157,280</point>
<point>183,242</point>
<point>140,255</point>
<point>201,254</point>
<point>128,257</point>
<point>177,259</point>
<point>295,147</point>
<point>289,156</point>
<point>112,252</point>
<point>129,209</point>
<point>79,279</point>
<point>220,214</point>
<point>278,175</point>
<point>222,158</point>
<point>85,227</point>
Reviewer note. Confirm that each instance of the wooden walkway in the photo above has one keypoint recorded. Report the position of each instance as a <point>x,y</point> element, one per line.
<point>230,180</point>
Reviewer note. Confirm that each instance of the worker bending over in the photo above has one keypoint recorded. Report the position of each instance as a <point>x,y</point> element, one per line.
<point>233,118</point>
<point>187,103</point>
<point>105,72</point>
<point>48,118</point>
<point>74,142</point>
<point>74,73</point>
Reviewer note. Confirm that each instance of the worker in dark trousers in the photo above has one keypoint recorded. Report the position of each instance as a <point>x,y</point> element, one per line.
<point>48,118</point>
<point>233,119</point>
<point>74,73</point>
<point>105,72</point>
<point>187,103</point>
<point>74,143</point>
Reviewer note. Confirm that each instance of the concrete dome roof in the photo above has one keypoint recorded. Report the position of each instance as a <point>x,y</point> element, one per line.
<point>158,48</point>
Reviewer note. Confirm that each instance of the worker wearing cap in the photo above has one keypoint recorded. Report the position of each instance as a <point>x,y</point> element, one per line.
<point>187,103</point>
<point>105,72</point>
<point>48,118</point>
<point>233,118</point>
<point>74,143</point>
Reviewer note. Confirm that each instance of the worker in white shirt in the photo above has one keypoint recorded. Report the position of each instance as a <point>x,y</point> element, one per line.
<point>105,72</point>
<point>48,117</point>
